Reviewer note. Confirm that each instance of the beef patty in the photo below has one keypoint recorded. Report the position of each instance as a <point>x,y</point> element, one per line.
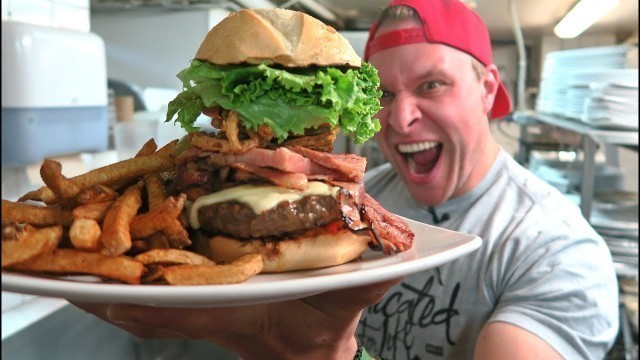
<point>240,221</point>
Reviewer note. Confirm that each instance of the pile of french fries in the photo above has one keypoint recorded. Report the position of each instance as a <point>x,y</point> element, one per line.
<point>115,222</point>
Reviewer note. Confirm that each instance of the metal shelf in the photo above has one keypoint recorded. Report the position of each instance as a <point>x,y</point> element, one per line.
<point>616,137</point>
<point>590,139</point>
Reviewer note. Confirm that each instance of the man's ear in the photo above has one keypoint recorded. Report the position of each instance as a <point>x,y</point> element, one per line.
<point>490,82</point>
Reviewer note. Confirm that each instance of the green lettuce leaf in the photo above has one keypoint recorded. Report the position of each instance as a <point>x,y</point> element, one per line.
<point>287,100</point>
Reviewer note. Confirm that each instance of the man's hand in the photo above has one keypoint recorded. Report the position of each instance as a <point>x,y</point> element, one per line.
<point>317,327</point>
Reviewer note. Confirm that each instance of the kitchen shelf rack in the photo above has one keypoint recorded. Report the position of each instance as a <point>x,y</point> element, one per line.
<point>590,139</point>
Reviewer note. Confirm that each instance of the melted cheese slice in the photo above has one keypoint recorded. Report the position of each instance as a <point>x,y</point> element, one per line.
<point>259,198</point>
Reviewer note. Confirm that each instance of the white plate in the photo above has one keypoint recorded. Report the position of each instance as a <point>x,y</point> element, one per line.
<point>432,247</point>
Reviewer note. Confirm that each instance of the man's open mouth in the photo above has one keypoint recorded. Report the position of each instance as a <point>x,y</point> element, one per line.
<point>421,157</point>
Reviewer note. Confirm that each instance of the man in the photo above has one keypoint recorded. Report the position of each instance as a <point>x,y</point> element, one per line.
<point>542,285</point>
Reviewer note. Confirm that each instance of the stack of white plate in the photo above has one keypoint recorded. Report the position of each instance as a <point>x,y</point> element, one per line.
<point>614,105</point>
<point>576,97</point>
<point>614,215</point>
<point>567,76</point>
<point>604,97</point>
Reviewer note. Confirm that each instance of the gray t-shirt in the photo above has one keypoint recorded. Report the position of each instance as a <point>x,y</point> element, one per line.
<point>541,267</point>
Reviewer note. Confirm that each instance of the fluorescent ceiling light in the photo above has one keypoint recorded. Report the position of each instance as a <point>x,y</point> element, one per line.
<point>582,15</point>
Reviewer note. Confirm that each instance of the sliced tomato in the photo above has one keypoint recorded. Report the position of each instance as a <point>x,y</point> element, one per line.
<point>333,227</point>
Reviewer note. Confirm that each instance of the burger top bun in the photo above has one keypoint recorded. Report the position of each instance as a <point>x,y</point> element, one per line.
<point>276,36</point>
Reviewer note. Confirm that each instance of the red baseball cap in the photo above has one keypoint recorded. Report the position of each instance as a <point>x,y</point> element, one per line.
<point>448,22</point>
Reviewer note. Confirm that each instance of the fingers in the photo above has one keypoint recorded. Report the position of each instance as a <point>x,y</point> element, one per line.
<point>193,323</point>
<point>239,330</point>
<point>200,323</point>
<point>139,330</point>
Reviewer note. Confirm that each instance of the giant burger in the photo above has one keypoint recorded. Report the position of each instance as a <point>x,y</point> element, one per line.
<point>279,85</point>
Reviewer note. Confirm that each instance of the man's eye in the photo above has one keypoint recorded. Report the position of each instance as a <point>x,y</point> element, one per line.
<point>386,94</point>
<point>386,98</point>
<point>430,85</point>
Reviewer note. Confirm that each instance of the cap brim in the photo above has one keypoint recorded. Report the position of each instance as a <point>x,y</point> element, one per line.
<point>501,104</point>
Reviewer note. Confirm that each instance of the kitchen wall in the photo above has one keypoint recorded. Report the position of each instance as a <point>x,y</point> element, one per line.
<point>149,47</point>
<point>68,14</point>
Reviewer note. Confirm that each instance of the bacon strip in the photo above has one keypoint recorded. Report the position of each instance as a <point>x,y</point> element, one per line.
<point>350,198</point>
<point>285,160</point>
<point>281,158</point>
<point>353,166</point>
<point>392,231</point>
<point>294,181</point>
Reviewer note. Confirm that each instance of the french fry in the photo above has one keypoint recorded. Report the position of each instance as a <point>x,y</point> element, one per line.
<point>11,230</point>
<point>96,211</point>
<point>176,234</point>
<point>158,241</point>
<point>72,261</point>
<point>155,241</point>
<point>31,245</point>
<point>238,271</point>
<point>63,188</point>
<point>116,239</point>
<point>172,256</point>
<point>34,215</point>
<point>138,246</point>
<point>146,224</point>
<point>155,190</point>
<point>85,234</point>
<point>173,229</point>
<point>96,194</point>
<point>153,274</point>
<point>147,148</point>
<point>116,173</point>
<point>169,149</point>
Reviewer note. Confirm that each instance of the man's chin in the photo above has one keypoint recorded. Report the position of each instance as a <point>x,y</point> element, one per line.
<point>426,195</point>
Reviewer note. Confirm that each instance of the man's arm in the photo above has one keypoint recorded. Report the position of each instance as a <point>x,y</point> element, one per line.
<point>501,340</point>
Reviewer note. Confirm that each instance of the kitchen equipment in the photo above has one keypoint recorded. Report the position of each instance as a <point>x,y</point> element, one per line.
<point>54,93</point>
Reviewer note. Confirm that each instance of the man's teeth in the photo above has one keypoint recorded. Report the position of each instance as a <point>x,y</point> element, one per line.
<point>415,147</point>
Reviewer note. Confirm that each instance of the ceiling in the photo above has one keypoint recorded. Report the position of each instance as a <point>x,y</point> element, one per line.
<point>535,16</point>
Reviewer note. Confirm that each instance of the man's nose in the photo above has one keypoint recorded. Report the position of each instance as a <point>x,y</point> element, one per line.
<point>404,112</point>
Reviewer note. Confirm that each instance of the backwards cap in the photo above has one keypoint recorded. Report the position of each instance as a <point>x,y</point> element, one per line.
<point>447,22</point>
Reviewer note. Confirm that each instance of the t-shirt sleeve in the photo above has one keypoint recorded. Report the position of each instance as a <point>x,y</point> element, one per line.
<point>561,287</point>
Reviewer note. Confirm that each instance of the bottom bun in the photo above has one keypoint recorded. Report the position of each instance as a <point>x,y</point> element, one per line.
<point>306,252</point>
